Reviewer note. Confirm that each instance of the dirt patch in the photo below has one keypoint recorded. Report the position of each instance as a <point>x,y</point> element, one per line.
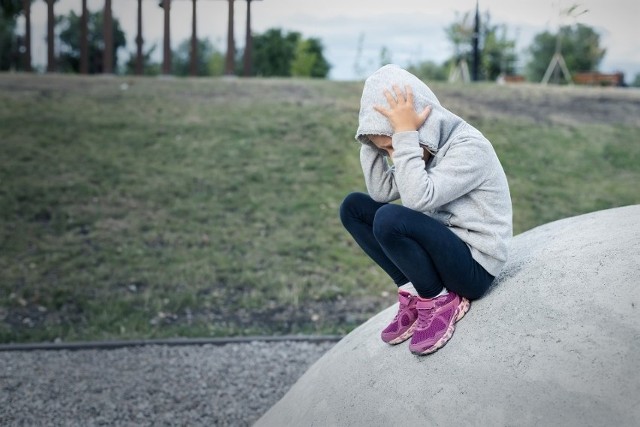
<point>312,315</point>
<point>546,104</point>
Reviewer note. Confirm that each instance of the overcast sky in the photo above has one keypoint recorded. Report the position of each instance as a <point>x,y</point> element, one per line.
<point>411,30</point>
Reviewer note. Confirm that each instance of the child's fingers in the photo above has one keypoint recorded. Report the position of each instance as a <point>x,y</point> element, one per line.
<point>382,110</point>
<point>399,94</point>
<point>409,91</point>
<point>390,99</point>
<point>425,113</point>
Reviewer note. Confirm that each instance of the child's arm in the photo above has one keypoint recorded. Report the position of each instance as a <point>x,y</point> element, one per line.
<point>463,168</point>
<point>466,165</point>
<point>378,176</point>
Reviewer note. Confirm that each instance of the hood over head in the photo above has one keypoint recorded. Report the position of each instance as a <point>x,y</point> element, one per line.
<point>432,134</point>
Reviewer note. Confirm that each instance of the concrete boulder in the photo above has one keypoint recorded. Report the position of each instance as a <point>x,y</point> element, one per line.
<point>556,341</point>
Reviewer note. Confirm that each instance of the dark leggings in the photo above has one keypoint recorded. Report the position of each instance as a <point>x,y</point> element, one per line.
<point>411,246</point>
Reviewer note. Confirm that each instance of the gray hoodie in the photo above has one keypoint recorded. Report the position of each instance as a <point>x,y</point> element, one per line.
<point>462,185</point>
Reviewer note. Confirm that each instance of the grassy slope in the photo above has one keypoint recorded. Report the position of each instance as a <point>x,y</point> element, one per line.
<point>209,207</point>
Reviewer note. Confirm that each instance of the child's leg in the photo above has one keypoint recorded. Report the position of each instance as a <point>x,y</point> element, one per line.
<point>357,213</point>
<point>429,254</point>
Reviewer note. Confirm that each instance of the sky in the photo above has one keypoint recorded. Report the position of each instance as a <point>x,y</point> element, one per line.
<point>412,31</point>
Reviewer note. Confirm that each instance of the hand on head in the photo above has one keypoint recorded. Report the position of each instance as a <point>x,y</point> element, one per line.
<point>401,112</point>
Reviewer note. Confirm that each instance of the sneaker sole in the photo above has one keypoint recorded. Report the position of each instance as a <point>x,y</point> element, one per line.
<point>462,309</point>
<point>407,334</point>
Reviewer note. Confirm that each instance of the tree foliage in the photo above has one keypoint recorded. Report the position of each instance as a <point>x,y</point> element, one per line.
<point>460,34</point>
<point>498,53</point>
<point>276,53</point>
<point>11,8</point>
<point>428,71</point>
<point>273,52</point>
<point>10,42</point>
<point>181,58</point>
<point>497,50</point>
<point>149,66</point>
<point>579,45</point>
<point>309,60</point>
<point>69,59</point>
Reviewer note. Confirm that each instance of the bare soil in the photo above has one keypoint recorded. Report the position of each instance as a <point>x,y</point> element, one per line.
<point>546,104</point>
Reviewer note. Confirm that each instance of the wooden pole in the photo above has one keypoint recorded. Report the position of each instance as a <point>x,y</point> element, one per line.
<point>51,66</point>
<point>107,54</point>
<point>193,69</point>
<point>166,62</point>
<point>248,44</point>
<point>231,50</point>
<point>84,48</point>
<point>139,41</point>
<point>475,73</point>
<point>26,5</point>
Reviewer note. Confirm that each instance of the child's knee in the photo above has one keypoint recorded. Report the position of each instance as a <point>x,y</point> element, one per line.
<point>351,203</point>
<point>386,219</point>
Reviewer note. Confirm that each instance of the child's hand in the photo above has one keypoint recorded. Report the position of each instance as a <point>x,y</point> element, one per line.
<point>401,114</point>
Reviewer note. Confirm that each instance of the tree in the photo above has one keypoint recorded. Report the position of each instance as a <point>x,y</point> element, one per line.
<point>636,81</point>
<point>308,60</point>
<point>70,42</point>
<point>497,50</point>
<point>276,53</point>
<point>460,34</point>
<point>498,53</point>
<point>149,67</point>
<point>429,71</point>
<point>9,41</point>
<point>385,56</point>
<point>182,58</point>
<point>358,68</point>
<point>217,62</point>
<point>303,60</point>
<point>579,45</point>
<point>273,52</point>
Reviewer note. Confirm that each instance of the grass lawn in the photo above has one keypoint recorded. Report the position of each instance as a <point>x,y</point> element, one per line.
<point>143,208</point>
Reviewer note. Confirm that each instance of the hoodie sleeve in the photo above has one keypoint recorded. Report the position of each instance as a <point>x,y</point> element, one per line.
<point>378,175</point>
<point>462,169</point>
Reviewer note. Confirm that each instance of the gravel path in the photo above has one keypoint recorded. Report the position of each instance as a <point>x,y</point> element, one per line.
<point>230,385</point>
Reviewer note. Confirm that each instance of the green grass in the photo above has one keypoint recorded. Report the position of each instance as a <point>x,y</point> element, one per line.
<point>209,207</point>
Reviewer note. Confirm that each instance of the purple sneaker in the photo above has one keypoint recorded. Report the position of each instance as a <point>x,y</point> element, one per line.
<point>436,322</point>
<point>402,326</point>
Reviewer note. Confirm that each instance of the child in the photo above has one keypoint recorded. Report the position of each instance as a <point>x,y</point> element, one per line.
<point>448,240</point>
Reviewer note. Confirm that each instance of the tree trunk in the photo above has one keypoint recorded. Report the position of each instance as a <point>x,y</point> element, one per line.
<point>193,69</point>
<point>51,60</point>
<point>139,41</point>
<point>231,50</point>
<point>107,59</point>
<point>248,44</point>
<point>26,5</point>
<point>84,48</point>
<point>166,62</point>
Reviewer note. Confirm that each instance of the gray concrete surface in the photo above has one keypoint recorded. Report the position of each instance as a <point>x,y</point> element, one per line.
<point>556,342</point>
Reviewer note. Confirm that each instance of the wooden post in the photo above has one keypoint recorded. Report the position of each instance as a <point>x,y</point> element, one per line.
<point>26,6</point>
<point>248,44</point>
<point>229,68</point>
<point>107,54</point>
<point>84,48</point>
<point>139,42</point>
<point>166,62</point>
<point>193,69</point>
<point>51,65</point>
<point>475,70</point>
